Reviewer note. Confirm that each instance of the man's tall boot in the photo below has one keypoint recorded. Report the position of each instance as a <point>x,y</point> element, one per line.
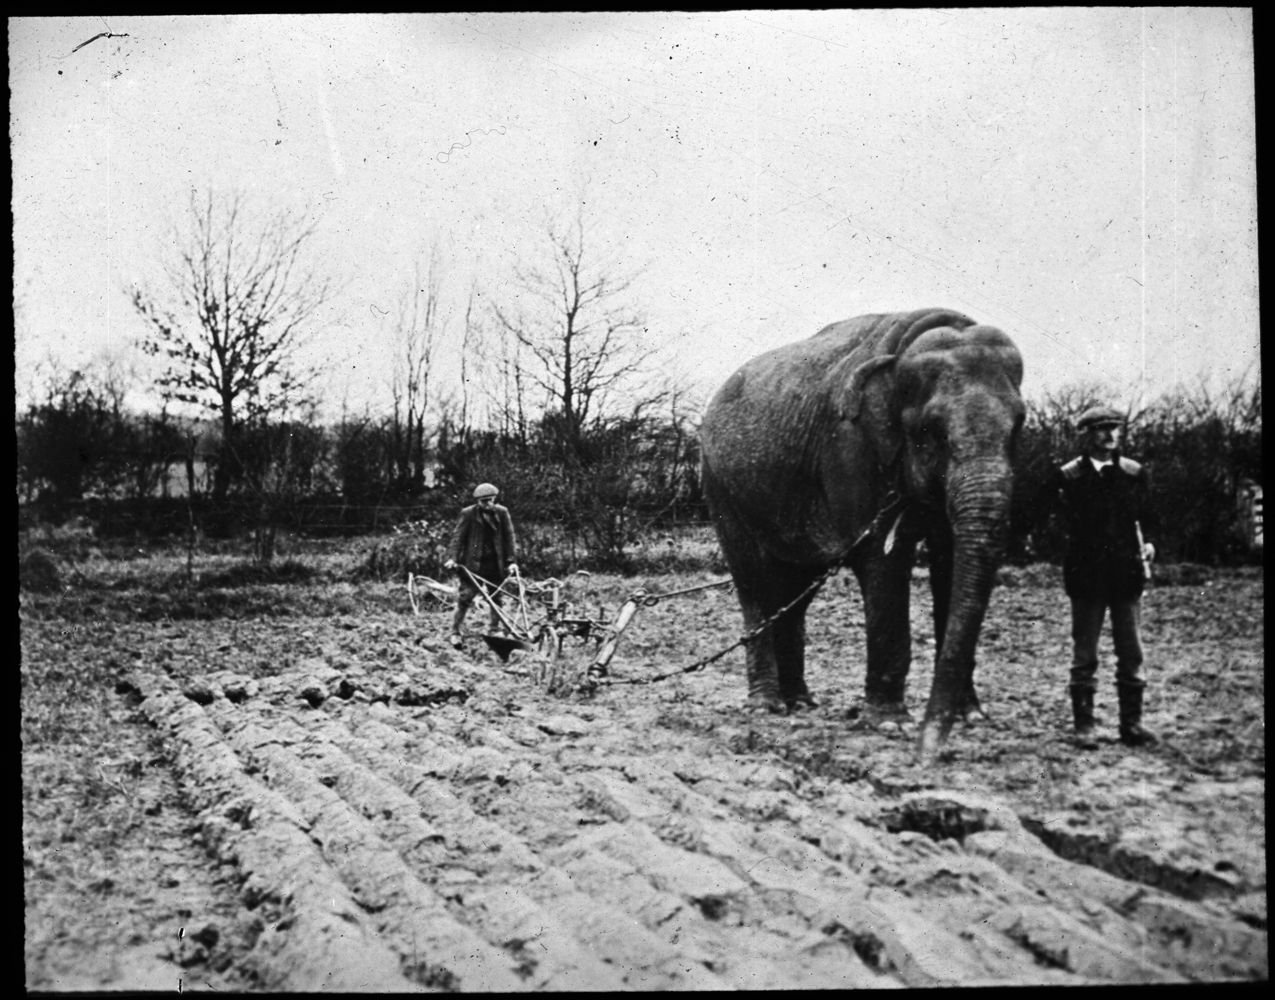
<point>1082,712</point>
<point>1131,732</point>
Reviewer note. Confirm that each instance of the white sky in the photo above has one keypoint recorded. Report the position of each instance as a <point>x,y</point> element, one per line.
<point>1083,178</point>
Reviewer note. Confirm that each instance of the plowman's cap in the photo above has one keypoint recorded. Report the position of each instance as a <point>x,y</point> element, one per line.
<point>485,490</point>
<point>1100,416</point>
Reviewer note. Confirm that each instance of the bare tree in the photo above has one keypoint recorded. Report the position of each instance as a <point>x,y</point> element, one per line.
<point>190,449</point>
<point>417,326</point>
<point>282,462</point>
<point>238,305</point>
<point>506,384</point>
<point>585,341</point>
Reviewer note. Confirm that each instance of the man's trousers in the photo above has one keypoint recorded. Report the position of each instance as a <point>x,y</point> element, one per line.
<point>1086,628</point>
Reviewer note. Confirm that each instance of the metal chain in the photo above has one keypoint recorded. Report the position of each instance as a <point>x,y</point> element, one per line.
<point>743,640</point>
<point>894,504</point>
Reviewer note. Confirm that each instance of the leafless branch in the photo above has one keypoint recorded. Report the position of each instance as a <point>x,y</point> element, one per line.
<point>236,310</point>
<point>584,343</point>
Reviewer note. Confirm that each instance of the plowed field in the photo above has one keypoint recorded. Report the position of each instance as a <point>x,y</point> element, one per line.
<point>301,787</point>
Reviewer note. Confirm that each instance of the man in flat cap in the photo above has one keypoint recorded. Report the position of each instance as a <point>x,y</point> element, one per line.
<point>483,545</point>
<point>1102,496</point>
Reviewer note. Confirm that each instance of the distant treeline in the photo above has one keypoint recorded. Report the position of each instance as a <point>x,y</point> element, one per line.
<point>604,485</point>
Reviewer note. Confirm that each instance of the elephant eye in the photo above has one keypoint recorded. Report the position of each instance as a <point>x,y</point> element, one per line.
<point>930,437</point>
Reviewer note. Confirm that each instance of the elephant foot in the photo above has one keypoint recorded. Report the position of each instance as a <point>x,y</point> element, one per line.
<point>799,701</point>
<point>932,740</point>
<point>972,707</point>
<point>881,711</point>
<point>884,716</point>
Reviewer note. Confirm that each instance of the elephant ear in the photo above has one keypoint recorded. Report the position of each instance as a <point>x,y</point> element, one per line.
<point>869,402</point>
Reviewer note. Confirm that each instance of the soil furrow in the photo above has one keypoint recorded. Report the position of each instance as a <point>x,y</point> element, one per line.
<point>544,953</point>
<point>567,924</point>
<point>411,918</point>
<point>796,873</point>
<point>314,935</point>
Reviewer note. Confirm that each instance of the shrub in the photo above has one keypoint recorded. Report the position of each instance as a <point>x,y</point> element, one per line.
<point>66,443</point>
<point>38,573</point>
<point>417,547</point>
<point>257,573</point>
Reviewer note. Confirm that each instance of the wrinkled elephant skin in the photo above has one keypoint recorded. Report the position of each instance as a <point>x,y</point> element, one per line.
<point>851,447</point>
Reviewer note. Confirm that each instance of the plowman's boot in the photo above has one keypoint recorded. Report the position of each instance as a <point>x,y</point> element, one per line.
<point>1082,712</point>
<point>1131,732</point>
<point>458,617</point>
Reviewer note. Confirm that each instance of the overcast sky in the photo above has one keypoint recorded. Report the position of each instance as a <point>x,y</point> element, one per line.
<point>1083,178</point>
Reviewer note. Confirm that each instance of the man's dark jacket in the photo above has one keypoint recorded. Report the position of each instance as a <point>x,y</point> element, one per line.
<point>467,537</point>
<point>1102,512</point>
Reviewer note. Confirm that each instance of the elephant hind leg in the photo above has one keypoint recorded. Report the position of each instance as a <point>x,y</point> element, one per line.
<point>759,655</point>
<point>750,568</point>
<point>790,655</point>
<point>785,640</point>
<point>776,657</point>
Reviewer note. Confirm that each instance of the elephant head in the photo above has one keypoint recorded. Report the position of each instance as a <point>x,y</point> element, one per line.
<point>942,412</point>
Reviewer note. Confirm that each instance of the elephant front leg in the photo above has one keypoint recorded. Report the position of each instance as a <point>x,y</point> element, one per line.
<point>886,597</point>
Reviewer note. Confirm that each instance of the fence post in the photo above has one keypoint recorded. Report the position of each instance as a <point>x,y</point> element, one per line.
<point>1250,512</point>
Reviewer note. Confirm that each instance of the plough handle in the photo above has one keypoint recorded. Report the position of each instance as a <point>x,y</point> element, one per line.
<point>478,582</point>
<point>522,599</point>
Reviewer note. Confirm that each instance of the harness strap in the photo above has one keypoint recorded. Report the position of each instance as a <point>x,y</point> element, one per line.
<point>896,506</point>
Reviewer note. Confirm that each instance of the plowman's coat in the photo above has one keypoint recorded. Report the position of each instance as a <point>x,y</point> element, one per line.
<point>467,538</point>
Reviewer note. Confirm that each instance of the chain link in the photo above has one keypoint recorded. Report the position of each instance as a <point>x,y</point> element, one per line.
<point>743,640</point>
<point>894,504</point>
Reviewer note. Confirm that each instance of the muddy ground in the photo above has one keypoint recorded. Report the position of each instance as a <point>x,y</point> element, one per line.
<point>295,787</point>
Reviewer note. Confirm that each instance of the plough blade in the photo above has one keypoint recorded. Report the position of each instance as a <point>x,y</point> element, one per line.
<point>504,645</point>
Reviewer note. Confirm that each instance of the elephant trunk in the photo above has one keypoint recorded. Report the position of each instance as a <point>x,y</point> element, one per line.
<point>978,505</point>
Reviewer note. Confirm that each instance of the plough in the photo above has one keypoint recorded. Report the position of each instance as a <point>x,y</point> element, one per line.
<point>545,632</point>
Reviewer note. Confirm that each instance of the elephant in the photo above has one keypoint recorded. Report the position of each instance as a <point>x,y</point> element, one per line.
<point>849,448</point>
